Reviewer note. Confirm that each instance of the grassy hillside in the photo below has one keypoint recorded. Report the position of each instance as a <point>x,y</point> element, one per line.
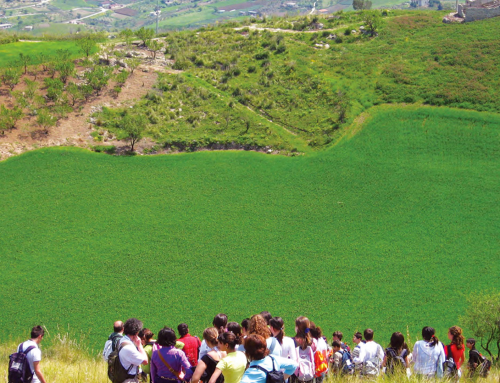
<point>391,228</point>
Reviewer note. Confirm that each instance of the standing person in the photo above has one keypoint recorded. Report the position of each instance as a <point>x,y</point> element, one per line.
<point>113,339</point>
<point>169,364</point>
<point>33,354</point>
<point>370,356</point>
<point>428,355</point>
<point>305,358</point>
<point>277,327</point>
<point>191,344</point>
<point>148,343</point>
<point>396,355</point>
<point>456,347</point>
<point>258,325</point>
<point>130,350</point>
<point>234,364</point>
<point>220,323</point>
<point>322,348</point>
<point>267,316</point>
<point>337,335</point>
<point>358,341</point>
<point>208,363</point>
<point>261,362</point>
<point>476,360</point>
<point>244,331</point>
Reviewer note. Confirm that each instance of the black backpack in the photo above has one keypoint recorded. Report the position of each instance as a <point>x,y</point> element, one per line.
<point>274,376</point>
<point>484,367</point>
<point>116,372</point>
<point>449,366</point>
<point>19,367</point>
<point>395,361</point>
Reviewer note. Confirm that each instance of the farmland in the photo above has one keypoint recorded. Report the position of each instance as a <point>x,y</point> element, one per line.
<point>392,227</point>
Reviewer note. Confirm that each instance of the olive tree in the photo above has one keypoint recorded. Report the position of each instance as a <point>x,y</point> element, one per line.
<point>133,128</point>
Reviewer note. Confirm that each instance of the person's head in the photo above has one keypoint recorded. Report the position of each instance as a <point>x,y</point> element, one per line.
<point>258,325</point>
<point>220,322</point>
<point>210,335</point>
<point>337,335</point>
<point>228,341</point>
<point>336,346</point>
<point>235,328</point>
<point>118,326</point>
<point>183,329</point>
<point>277,327</point>
<point>166,337</point>
<point>255,347</point>
<point>244,326</point>
<point>303,329</point>
<point>146,335</point>
<point>357,337</point>
<point>132,327</point>
<point>456,337</point>
<point>267,316</point>
<point>471,343</point>
<point>316,331</point>
<point>368,334</point>
<point>397,341</point>
<point>428,335</point>
<point>37,333</point>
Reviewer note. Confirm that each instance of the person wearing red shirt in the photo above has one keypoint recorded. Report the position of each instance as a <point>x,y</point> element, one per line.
<point>457,346</point>
<point>191,344</point>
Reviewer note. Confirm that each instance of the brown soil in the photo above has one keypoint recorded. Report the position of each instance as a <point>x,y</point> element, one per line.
<point>75,128</point>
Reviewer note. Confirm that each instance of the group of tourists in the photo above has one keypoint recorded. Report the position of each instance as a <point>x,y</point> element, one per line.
<point>257,351</point>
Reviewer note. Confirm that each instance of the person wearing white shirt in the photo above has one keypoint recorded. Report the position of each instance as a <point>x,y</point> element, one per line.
<point>277,327</point>
<point>220,323</point>
<point>370,356</point>
<point>131,352</point>
<point>358,341</point>
<point>35,355</point>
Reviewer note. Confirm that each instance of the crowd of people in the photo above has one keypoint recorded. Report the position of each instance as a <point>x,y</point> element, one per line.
<point>257,351</point>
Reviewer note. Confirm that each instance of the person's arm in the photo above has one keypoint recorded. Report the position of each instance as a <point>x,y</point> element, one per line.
<point>215,375</point>
<point>384,362</point>
<point>38,372</point>
<point>361,356</point>
<point>200,369</point>
<point>462,357</point>
<point>440,361</point>
<point>186,366</point>
<point>138,343</point>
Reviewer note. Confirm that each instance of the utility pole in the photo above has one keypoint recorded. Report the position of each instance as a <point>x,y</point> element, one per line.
<point>158,14</point>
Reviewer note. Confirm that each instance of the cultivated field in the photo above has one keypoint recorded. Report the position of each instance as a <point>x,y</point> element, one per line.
<point>391,228</point>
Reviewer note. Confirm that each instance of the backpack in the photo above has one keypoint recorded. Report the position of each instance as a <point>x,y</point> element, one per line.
<point>346,363</point>
<point>484,367</point>
<point>116,372</point>
<point>107,349</point>
<point>320,365</point>
<point>19,367</point>
<point>395,361</point>
<point>449,366</point>
<point>274,376</point>
<point>305,370</point>
<point>114,340</point>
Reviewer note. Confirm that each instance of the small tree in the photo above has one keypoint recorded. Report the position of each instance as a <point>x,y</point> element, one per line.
<point>86,44</point>
<point>87,91</point>
<point>10,77</point>
<point>24,60</point>
<point>483,319</point>
<point>31,88</point>
<point>63,54</point>
<point>66,69</point>
<point>99,77</point>
<point>133,63</point>
<point>145,34</point>
<point>43,58</point>
<point>73,92</point>
<point>45,120</point>
<point>133,127</point>
<point>127,35</point>
<point>372,21</point>
<point>9,117</point>
<point>154,46</point>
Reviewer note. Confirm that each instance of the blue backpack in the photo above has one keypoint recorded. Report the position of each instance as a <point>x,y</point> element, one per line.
<point>347,365</point>
<point>19,367</point>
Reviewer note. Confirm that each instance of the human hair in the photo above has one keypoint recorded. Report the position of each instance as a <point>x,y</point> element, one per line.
<point>37,331</point>
<point>210,335</point>
<point>473,342</point>
<point>244,323</point>
<point>183,329</point>
<point>132,326</point>
<point>336,343</point>
<point>220,322</point>
<point>267,316</point>
<point>258,325</point>
<point>230,339</point>
<point>339,335</point>
<point>357,335</point>
<point>368,334</point>
<point>146,334</point>
<point>428,335</point>
<point>458,338</point>
<point>303,331</point>
<point>278,324</point>
<point>256,347</point>
<point>118,326</point>
<point>235,328</point>
<point>316,332</point>
<point>397,341</point>
<point>166,337</point>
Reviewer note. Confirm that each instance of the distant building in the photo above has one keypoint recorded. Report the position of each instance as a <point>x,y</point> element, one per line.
<point>243,13</point>
<point>222,10</point>
<point>291,5</point>
<point>114,6</point>
<point>5,26</point>
<point>28,28</point>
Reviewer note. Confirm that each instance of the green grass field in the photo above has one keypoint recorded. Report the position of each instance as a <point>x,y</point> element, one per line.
<point>392,227</point>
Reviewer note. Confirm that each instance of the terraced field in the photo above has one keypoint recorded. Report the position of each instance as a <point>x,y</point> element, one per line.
<point>390,228</point>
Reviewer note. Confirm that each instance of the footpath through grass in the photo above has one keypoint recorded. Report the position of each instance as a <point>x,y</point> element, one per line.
<point>391,228</point>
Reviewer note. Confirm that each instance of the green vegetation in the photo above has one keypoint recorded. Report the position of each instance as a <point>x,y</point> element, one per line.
<point>376,231</point>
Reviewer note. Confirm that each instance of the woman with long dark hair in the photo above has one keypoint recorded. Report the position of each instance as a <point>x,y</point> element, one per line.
<point>208,363</point>
<point>428,355</point>
<point>234,364</point>
<point>277,327</point>
<point>396,355</point>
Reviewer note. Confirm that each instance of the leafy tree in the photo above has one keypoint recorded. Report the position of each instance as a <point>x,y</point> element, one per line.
<point>86,44</point>
<point>154,46</point>
<point>483,319</point>
<point>74,92</point>
<point>66,69</point>
<point>145,34</point>
<point>24,60</point>
<point>9,117</point>
<point>51,68</point>
<point>87,91</point>
<point>45,120</point>
<point>99,77</point>
<point>63,54</point>
<point>133,127</point>
<point>10,77</point>
<point>54,88</point>
<point>127,35</point>
<point>372,22</point>
<point>133,63</point>
<point>43,58</point>
<point>31,88</point>
<point>121,77</point>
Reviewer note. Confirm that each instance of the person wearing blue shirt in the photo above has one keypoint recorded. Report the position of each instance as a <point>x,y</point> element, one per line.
<point>258,354</point>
